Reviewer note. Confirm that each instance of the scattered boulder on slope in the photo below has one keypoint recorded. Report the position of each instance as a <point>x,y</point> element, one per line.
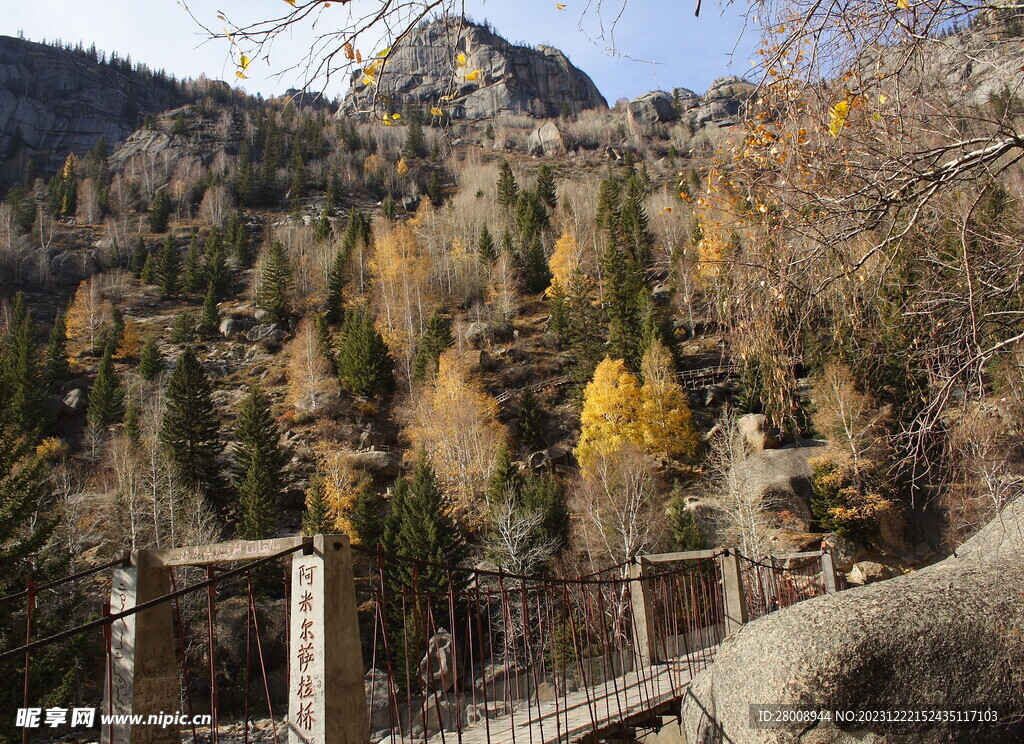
<point>948,636</point>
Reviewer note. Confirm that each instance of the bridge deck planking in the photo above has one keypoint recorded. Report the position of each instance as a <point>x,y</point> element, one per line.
<point>613,702</point>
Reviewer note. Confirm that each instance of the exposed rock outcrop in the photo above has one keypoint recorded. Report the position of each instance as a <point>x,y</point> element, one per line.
<point>722,104</point>
<point>947,636</point>
<point>423,70</point>
<point>55,101</point>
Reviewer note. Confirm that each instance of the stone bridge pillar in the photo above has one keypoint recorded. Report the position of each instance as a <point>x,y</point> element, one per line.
<point>142,674</point>
<point>327,702</point>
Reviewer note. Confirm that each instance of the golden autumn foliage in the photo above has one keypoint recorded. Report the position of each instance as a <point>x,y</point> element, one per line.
<point>131,341</point>
<point>311,378</point>
<point>342,482</point>
<point>565,257</point>
<point>619,412</point>
<point>402,167</point>
<point>86,316</point>
<point>457,423</point>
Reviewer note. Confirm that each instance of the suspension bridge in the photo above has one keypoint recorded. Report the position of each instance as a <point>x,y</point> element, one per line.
<point>385,649</point>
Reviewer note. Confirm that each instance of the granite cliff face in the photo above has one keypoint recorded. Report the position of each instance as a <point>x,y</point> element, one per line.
<point>54,101</point>
<point>423,70</point>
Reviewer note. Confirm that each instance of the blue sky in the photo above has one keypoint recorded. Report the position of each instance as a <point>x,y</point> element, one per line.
<point>657,44</point>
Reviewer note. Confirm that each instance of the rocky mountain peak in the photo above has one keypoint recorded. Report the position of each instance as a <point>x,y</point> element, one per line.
<point>54,101</point>
<point>424,70</point>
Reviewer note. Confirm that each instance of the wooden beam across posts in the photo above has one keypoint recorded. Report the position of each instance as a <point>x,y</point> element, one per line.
<point>142,674</point>
<point>225,552</point>
<point>326,699</point>
<point>688,555</point>
<point>732,588</point>
<point>644,629</point>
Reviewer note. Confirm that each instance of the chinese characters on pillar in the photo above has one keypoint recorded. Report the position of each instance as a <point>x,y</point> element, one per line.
<point>308,679</point>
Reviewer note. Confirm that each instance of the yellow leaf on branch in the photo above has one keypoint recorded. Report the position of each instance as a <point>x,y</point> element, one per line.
<point>473,75</point>
<point>837,117</point>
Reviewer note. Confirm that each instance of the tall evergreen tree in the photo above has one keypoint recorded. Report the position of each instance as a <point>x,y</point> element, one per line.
<point>536,271</point>
<point>582,327</point>
<point>106,400</point>
<point>55,364</point>
<point>160,212</point>
<point>508,188</point>
<point>368,515</point>
<point>434,189</point>
<point>21,389</point>
<point>215,270</point>
<point>621,297</point>
<point>190,429</point>
<point>151,363</point>
<point>364,366</point>
<point>530,421</point>
<point>546,189</point>
<point>138,260</point>
<point>335,312</point>
<point>634,224</point>
<point>531,216</point>
<point>415,144</point>
<point>317,518</point>
<point>209,320</point>
<point>148,273</point>
<point>419,525</point>
<point>275,283</point>
<point>256,432</point>
<point>485,246</point>
<point>193,271</point>
<point>434,341</point>
<point>257,502</point>
<point>168,268</point>
<point>504,480</point>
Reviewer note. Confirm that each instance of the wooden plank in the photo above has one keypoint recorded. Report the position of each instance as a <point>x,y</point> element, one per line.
<point>236,550</point>
<point>684,556</point>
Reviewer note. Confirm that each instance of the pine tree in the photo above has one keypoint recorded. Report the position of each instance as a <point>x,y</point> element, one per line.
<point>317,518</point>
<point>238,238</point>
<point>256,432</point>
<point>336,288</point>
<point>622,286</point>
<point>434,341</point>
<point>387,208</point>
<point>55,365</point>
<point>364,366</point>
<point>634,224</point>
<point>168,269</point>
<point>21,390</point>
<point>368,515</point>
<point>546,189</point>
<point>485,247</point>
<point>132,426</point>
<point>215,269</point>
<point>111,336</point>
<point>504,480</point>
<point>536,272</point>
<point>160,212</point>
<point>209,320</point>
<point>581,334</point>
<point>139,256</point>
<point>530,421</point>
<point>183,330</point>
<point>531,216</point>
<point>608,197</point>
<point>151,364</point>
<point>682,524</point>
<point>148,273</point>
<point>434,189</point>
<point>106,400</point>
<point>190,429</point>
<point>508,188</point>
<point>322,228</point>
<point>193,272</point>
<point>257,497</point>
<point>420,526</point>
<point>415,145</point>
<point>275,284</point>
<point>544,495</point>
<point>297,189</point>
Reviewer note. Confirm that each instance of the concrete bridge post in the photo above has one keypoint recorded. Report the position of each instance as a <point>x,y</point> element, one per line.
<point>327,701</point>
<point>142,675</point>
<point>644,630</point>
<point>732,589</point>
<point>828,572</point>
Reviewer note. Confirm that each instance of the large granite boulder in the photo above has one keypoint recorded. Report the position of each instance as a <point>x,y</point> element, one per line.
<point>651,108</point>
<point>423,70</point>
<point>547,140</point>
<point>948,636</point>
<point>54,101</point>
